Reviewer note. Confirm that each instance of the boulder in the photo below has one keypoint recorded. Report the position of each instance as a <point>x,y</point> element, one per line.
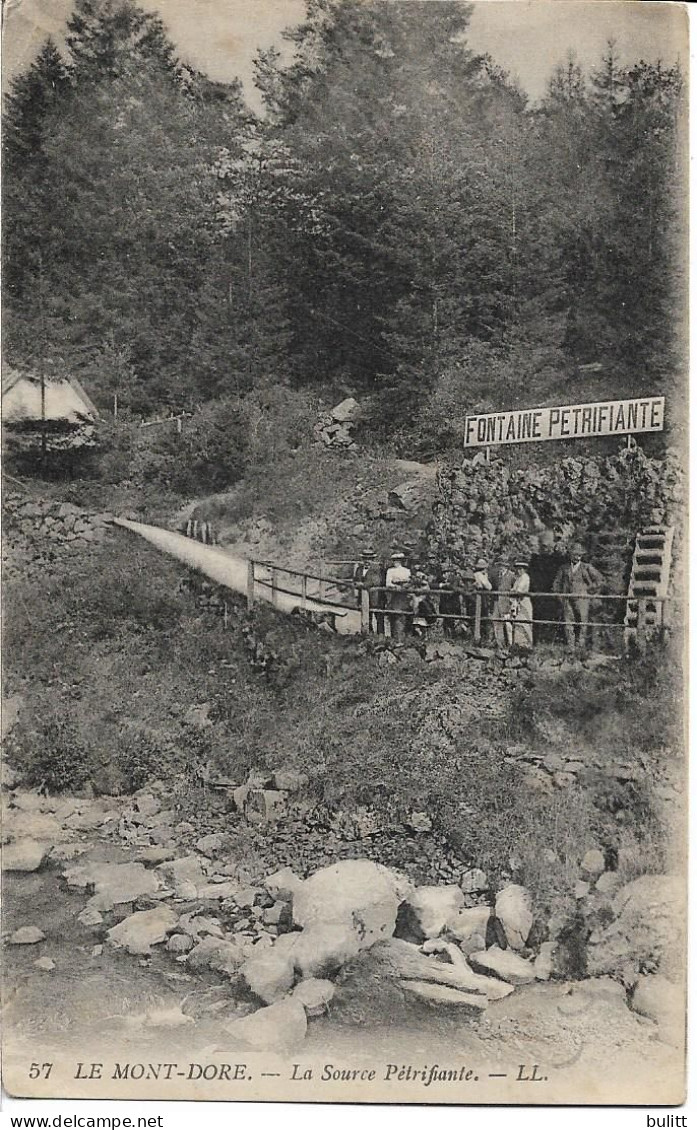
<point>514,912</point>
<point>113,883</point>
<point>212,844</point>
<point>544,962</point>
<point>506,964</point>
<point>147,805</point>
<point>184,875</point>
<point>663,1001</point>
<point>356,893</point>
<point>315,995</point>
<point>648,927</point>
<point>270,974</point>
<point>220,956</point>
<point>405,961</point>
<point>470,923</point>
<point>45,964</point>
<point>430,910</point>
<point>180,943</point>
<point>474,881</point>
<point>27,825</point>
<point>593,863</point>
<point>322,949</point>
<point>348,411</point>
<point>443,994</point>
<point>282,884</point>
<point>24,855</point>
<point>608,883</point>
<point>26,936</point>
<point>200,925</point>
<point>279,1027</point>
<point>90,917</point>
<point>144,929</point>
<point>225,890</point>
<point>581,889</point>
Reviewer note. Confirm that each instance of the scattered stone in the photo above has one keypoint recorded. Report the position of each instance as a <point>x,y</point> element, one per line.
<point>26,936</point>
<point>429,911</point>
<point>64,853</point>
<point>200,925</point>
<point>593,862</point>
<point>270,975</point>
<point>245,897</point>
<point>514,911</point>
<point>90,917</point>
<point>443,994</point>
<point>278,915</point>
<point>315,995</point>
<point>144,929</point>
<point>282,884</point>
<point>24,855</point>
<point>97,951</point>
<point>506,964</point>
<point>45,964</point>
<point>147,804</point>
<point>581,889</point>
<point>153,856</point>
<point>470,923</point>
<point>184,875</point>
<point>279,1027</point>
<point>543,964</point>
<point>220,956</point>
<point>225,890</point>
<point>356,893</point>
<point>180,943</point>
<point>113,883</point>
<point>474,881</point>
<point>608,883</point>
<point>212,844</point>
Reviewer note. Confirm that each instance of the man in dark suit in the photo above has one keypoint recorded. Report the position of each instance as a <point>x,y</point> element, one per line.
<point>369,574</point>
<point>542,570</point>
<point>576,582</point>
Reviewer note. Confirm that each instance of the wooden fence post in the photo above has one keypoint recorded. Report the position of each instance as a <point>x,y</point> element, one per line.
<point>303,597</point>
<point>250,584</point>
<point>274,579</point>
<point>477,617</point>
<point>321,578</point>
<point>365,611</point>
<point>641,625</point>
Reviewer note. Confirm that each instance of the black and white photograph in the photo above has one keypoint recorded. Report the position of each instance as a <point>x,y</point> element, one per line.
<point>345,552</point>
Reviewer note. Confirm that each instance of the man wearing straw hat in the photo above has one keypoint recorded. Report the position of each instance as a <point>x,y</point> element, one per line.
<point>576,582</point>
<point>399,601</point>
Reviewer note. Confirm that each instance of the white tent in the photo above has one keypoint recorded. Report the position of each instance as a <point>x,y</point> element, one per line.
<point>65,401</point>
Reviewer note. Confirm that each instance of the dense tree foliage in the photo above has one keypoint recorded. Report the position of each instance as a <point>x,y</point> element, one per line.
<point>398,222</point>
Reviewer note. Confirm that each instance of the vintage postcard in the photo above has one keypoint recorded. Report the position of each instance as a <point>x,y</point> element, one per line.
<point>344,413</point>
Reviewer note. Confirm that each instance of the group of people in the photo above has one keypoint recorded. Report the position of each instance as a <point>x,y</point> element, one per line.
<point>520,602</point>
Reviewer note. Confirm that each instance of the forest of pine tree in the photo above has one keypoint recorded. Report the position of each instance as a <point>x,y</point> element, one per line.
<point>398,222</point>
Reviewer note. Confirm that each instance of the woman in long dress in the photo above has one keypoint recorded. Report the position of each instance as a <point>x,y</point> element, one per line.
<point>521,608</point>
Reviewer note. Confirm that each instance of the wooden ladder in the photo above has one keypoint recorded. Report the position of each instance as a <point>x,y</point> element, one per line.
<point>648,583</point>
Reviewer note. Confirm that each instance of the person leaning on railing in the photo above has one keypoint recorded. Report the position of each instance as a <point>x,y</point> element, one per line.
<point>399,599</point>
<point>369,574</point>
<point>576,582</point>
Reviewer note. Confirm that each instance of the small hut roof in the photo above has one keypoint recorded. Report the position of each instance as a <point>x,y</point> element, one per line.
<point>65,399</point>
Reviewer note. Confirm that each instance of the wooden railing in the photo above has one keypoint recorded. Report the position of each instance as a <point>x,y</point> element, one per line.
<point>479,607</point>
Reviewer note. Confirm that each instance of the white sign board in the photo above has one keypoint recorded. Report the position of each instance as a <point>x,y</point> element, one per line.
<point>574,421</point>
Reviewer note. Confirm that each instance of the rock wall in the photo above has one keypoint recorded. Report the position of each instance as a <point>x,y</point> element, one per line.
<point>34,531</point>
<point>490,509</point>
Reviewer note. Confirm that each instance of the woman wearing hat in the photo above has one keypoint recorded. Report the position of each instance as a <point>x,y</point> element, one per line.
<point>521,606</point>
<point>399,600</point>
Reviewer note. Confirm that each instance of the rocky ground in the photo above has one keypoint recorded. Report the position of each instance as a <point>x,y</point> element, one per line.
<point>120,920</point>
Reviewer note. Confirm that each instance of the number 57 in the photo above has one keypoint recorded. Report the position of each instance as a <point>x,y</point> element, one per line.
<point>40,1070</point>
